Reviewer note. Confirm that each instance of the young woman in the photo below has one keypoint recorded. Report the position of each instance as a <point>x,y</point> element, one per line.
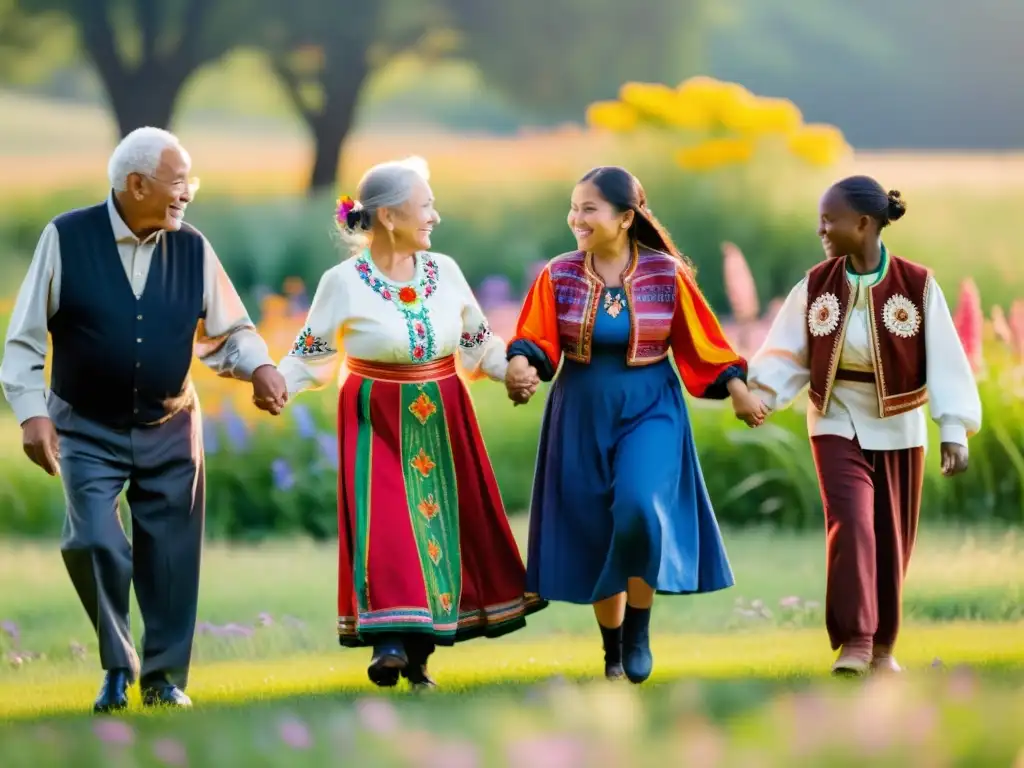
<point>620,510</point>
<point>426,553</point>
<point>871,335</point>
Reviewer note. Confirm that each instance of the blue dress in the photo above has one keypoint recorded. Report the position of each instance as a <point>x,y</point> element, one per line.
<point>618,491</point>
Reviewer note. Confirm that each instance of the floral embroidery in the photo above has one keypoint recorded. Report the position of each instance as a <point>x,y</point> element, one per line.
<point>471,340</point>
<point>429,508</point>
<point>410,302</point>
<point>422,408</point>
<point>434,551</point>
<point>823,316</point>
<point>901,317</point>
<point>308,344</point>
<point>422,463</point>
<point>446,601</point>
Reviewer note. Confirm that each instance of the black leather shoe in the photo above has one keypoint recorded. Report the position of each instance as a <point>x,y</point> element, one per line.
<point>389,659</point>
<point>419,651</point>
<point>114,693</point>
<point>165,695</point>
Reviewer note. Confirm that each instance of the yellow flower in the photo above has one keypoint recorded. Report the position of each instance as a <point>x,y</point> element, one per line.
<point>818,144</point>
<point>753,115</point>
<point>612,116</point>
<point>715,153</point>
<point>715,97</point>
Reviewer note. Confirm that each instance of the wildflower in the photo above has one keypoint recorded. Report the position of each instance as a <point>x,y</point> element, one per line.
<point>303,421</point>
<point>170,752</point>
<point>12,630</point>
<point>739,284</point>
<point>111,731</point>
<point>295,734</point>
<point>969,320</point>
<point>283,477</point>
<point>377,716</point>
<point>328,449</point>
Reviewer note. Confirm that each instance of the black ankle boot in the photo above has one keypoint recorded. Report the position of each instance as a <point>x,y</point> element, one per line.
<point>389,659</point>
<point>419,650</point>
<point>637,660</point>
<point>612,639</point>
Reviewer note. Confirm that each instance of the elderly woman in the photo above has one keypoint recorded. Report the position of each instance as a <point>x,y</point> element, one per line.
<point>426,555</point>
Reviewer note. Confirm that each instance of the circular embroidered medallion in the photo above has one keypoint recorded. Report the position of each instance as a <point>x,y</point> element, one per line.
<point>901,317</point>
<point>823,316</point>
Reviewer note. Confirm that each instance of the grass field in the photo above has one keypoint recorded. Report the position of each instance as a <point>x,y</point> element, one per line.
<point>271,683</point>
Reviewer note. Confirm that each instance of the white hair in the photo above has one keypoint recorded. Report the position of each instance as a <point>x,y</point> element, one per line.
<point>139,152</point>
<point>385,185</point>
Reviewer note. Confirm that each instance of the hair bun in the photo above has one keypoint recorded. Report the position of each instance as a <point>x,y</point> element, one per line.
<point>897,205</point>
<point>359,218</point>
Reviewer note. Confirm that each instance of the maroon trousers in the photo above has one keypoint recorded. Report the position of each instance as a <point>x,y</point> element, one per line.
<point>872,500</point>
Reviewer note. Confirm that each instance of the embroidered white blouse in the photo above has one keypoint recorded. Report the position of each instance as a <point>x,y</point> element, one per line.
<point>357,312</point>
<point>778,373</point>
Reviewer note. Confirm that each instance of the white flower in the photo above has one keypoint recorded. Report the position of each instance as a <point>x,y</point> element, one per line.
<point>901,317</point>
<point>823,316</point>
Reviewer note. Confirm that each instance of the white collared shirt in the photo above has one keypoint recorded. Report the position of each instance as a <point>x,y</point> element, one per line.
<point>779,372</point>
<point>226,340</point>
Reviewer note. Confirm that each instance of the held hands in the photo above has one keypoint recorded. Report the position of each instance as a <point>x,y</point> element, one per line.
<point>269,390</point>
<point>39,441</point>
<point>521,380</point>
<point>747,406</point>
<point>954,459</point>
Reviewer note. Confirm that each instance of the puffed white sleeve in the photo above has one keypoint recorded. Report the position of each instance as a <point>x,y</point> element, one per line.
<point>316,353</point>
<point>481,351</point>
<point>953,397</point>
<point>778,370</point>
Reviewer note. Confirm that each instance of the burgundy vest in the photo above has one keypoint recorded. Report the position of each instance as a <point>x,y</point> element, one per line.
<point>650,287</point>
<point>896,305</point>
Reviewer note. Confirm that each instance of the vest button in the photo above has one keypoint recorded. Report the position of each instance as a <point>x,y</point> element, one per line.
<point>138,317</point>
<point>138,365</point>
<point>135,410</point>
<point>138,341</point>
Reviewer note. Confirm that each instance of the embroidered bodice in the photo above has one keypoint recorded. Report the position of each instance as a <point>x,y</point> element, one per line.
<point>358,312</point>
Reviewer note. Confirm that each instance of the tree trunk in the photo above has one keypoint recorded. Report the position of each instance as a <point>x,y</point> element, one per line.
<point>142,98</point>
<point>329,132</point>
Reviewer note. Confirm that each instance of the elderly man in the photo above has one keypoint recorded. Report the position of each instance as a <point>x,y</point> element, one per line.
<point>129,292</point>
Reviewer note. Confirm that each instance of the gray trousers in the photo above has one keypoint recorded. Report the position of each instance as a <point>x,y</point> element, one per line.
<point>164,470</point>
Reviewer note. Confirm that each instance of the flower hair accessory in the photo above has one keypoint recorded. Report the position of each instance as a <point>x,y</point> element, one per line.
<point>350,214</point>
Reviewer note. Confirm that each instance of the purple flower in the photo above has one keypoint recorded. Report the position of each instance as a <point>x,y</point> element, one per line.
<point>11,629</point>
<point>284,478</point>
<point>111,731</point>
<point>170,752</point>
<point>328,448</point>
<point>211,439</point>
<point>295,734</point>
<point>265,619</point>
<point>236,429</point>
<point>303,421</point>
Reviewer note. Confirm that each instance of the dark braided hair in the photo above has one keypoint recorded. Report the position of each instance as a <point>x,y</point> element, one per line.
<point>869,198</point>
<point>624,192</point>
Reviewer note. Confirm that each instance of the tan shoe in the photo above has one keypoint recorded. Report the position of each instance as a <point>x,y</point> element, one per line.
<point>852,662</point>
<point>882,660</point>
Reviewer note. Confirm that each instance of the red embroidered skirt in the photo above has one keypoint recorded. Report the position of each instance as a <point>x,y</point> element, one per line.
<point>424,543</point>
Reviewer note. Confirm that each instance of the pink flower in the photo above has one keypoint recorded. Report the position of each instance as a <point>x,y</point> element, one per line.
<point>111,731</point>
<point>170,752</point>
<point>1016,323</point>
<point>1000,327</point>
<point>295,734</point>
<point>739,284</point>
<point>549,752</point>
<point>377,716</point>
<point>969,320</point>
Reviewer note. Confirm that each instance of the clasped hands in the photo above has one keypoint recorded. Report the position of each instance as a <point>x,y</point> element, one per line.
<point>748,407</point>
<point>521,380</point>
<point>269,389</point>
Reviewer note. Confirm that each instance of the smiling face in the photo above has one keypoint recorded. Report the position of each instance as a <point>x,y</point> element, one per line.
<point>842,230</point>
<point>413,222</point>
<point>595,223</point>
<point>159,201</point>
